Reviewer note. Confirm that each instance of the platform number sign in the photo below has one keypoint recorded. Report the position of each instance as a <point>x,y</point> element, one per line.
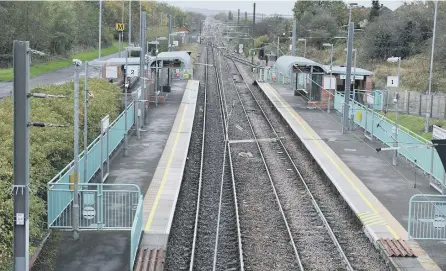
<point>392,81</point>
<point>133,71</point>
<point>120,27</point>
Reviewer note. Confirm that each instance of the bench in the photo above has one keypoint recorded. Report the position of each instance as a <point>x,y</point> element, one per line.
<point>300,92</point>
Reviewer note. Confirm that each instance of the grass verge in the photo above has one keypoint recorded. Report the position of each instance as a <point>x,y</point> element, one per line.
<point>35,70</point>
<point>416,123</point>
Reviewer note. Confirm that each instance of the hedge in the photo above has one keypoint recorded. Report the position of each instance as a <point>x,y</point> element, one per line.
<point>51,149</point>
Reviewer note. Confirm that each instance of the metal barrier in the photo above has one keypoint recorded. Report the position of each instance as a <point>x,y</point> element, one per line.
<point>136,232</point>
<point>115,136</point>
<point>102,206</point>
<point>427,217</point>
<point>382,128</point>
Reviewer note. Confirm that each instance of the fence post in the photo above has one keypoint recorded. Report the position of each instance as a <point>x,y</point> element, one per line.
<point>430,107</point>
<point>432,163</point>
<point>419,107</point>
<point>407,102</point>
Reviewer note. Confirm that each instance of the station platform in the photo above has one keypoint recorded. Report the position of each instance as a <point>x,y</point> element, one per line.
<point>379,224</point>
<point>110,250</point>
<point>161,197</point>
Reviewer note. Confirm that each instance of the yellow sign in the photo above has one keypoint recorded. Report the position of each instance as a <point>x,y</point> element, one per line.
<point>186,75</point>
<point>72,180</point>
<point>120,27</point>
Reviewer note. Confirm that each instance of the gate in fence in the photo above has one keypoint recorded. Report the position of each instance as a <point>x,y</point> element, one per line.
<point>427,217</point>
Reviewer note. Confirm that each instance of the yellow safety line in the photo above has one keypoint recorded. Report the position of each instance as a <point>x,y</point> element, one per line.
<point>166,173</point>
<point>369,204</point>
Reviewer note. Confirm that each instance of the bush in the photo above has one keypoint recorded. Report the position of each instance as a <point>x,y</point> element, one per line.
<point>51,149</point>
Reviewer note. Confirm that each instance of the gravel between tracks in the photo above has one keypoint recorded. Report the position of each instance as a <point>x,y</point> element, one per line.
<point>180,238</point>
<point>228,249</point>
<point>265,241</point>
<point>358,248</point>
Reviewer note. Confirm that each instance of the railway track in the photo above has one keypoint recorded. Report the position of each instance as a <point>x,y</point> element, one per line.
<point>307,226</point>
<point>260,202</point>
<point>214,242</point>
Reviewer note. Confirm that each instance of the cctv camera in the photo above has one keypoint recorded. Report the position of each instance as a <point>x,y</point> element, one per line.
<point>77,62</point>
<point>395,100</point>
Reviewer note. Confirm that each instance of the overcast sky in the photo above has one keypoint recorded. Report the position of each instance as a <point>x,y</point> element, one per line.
<point>262,6</point>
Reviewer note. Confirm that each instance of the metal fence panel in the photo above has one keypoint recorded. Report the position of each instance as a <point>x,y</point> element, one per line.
<point>427,217</point>
<point>102,206</point>
<point>383,129</point>
<point>136,232</point>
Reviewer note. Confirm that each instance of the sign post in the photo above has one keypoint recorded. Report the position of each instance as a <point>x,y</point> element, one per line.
<point>120,27</point>
<point>104,130</point>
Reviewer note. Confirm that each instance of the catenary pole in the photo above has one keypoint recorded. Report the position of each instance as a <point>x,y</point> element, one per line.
<point>429,112</point>
<point>21,155</point>
<point>100,27</point>
<point>86,123</point>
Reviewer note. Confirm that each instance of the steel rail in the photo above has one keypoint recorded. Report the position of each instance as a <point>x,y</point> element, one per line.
<point>225,118</point>
<point>191,265</point>
<point>316,206</point>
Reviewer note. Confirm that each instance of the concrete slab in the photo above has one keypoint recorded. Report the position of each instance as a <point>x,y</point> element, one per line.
<point>94,251</point>
<point>393,186</point>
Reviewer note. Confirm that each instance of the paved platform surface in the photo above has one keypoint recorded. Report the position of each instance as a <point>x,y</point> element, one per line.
<point>392,186</point>
<point>137,168</point>
<point>56,77</point>
<point>161,198</point>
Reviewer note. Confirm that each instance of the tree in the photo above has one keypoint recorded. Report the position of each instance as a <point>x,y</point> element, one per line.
<point>374,11</point>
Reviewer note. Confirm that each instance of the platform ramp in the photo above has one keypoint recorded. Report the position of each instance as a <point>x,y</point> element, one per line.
<point>102,207</point>
<point>427,217</point>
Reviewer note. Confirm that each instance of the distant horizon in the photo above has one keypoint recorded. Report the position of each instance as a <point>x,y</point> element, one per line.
<point>268,7</point>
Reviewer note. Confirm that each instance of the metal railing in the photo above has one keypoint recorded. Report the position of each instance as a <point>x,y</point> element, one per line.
<point>382,128</point>
<point>116,135</point>
<point>427,217</point>
<point>102,206</point>
<point>135,234</point>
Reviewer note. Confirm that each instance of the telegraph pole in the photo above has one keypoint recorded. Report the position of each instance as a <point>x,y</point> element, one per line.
<point>75,176</point>
<point>21,155</point>
<point>293,41</point>
<point>238,17</point>
<point>348,82</point>
<point>100,27</point>
<point>253,27</point>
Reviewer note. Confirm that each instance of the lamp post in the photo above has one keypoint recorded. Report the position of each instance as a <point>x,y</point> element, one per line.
<point>350,11</point>
<point>331,74</point>
<point>350,6</point>
<point>395,100</point>
<point>429,111</point>
<point>305,44</point>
